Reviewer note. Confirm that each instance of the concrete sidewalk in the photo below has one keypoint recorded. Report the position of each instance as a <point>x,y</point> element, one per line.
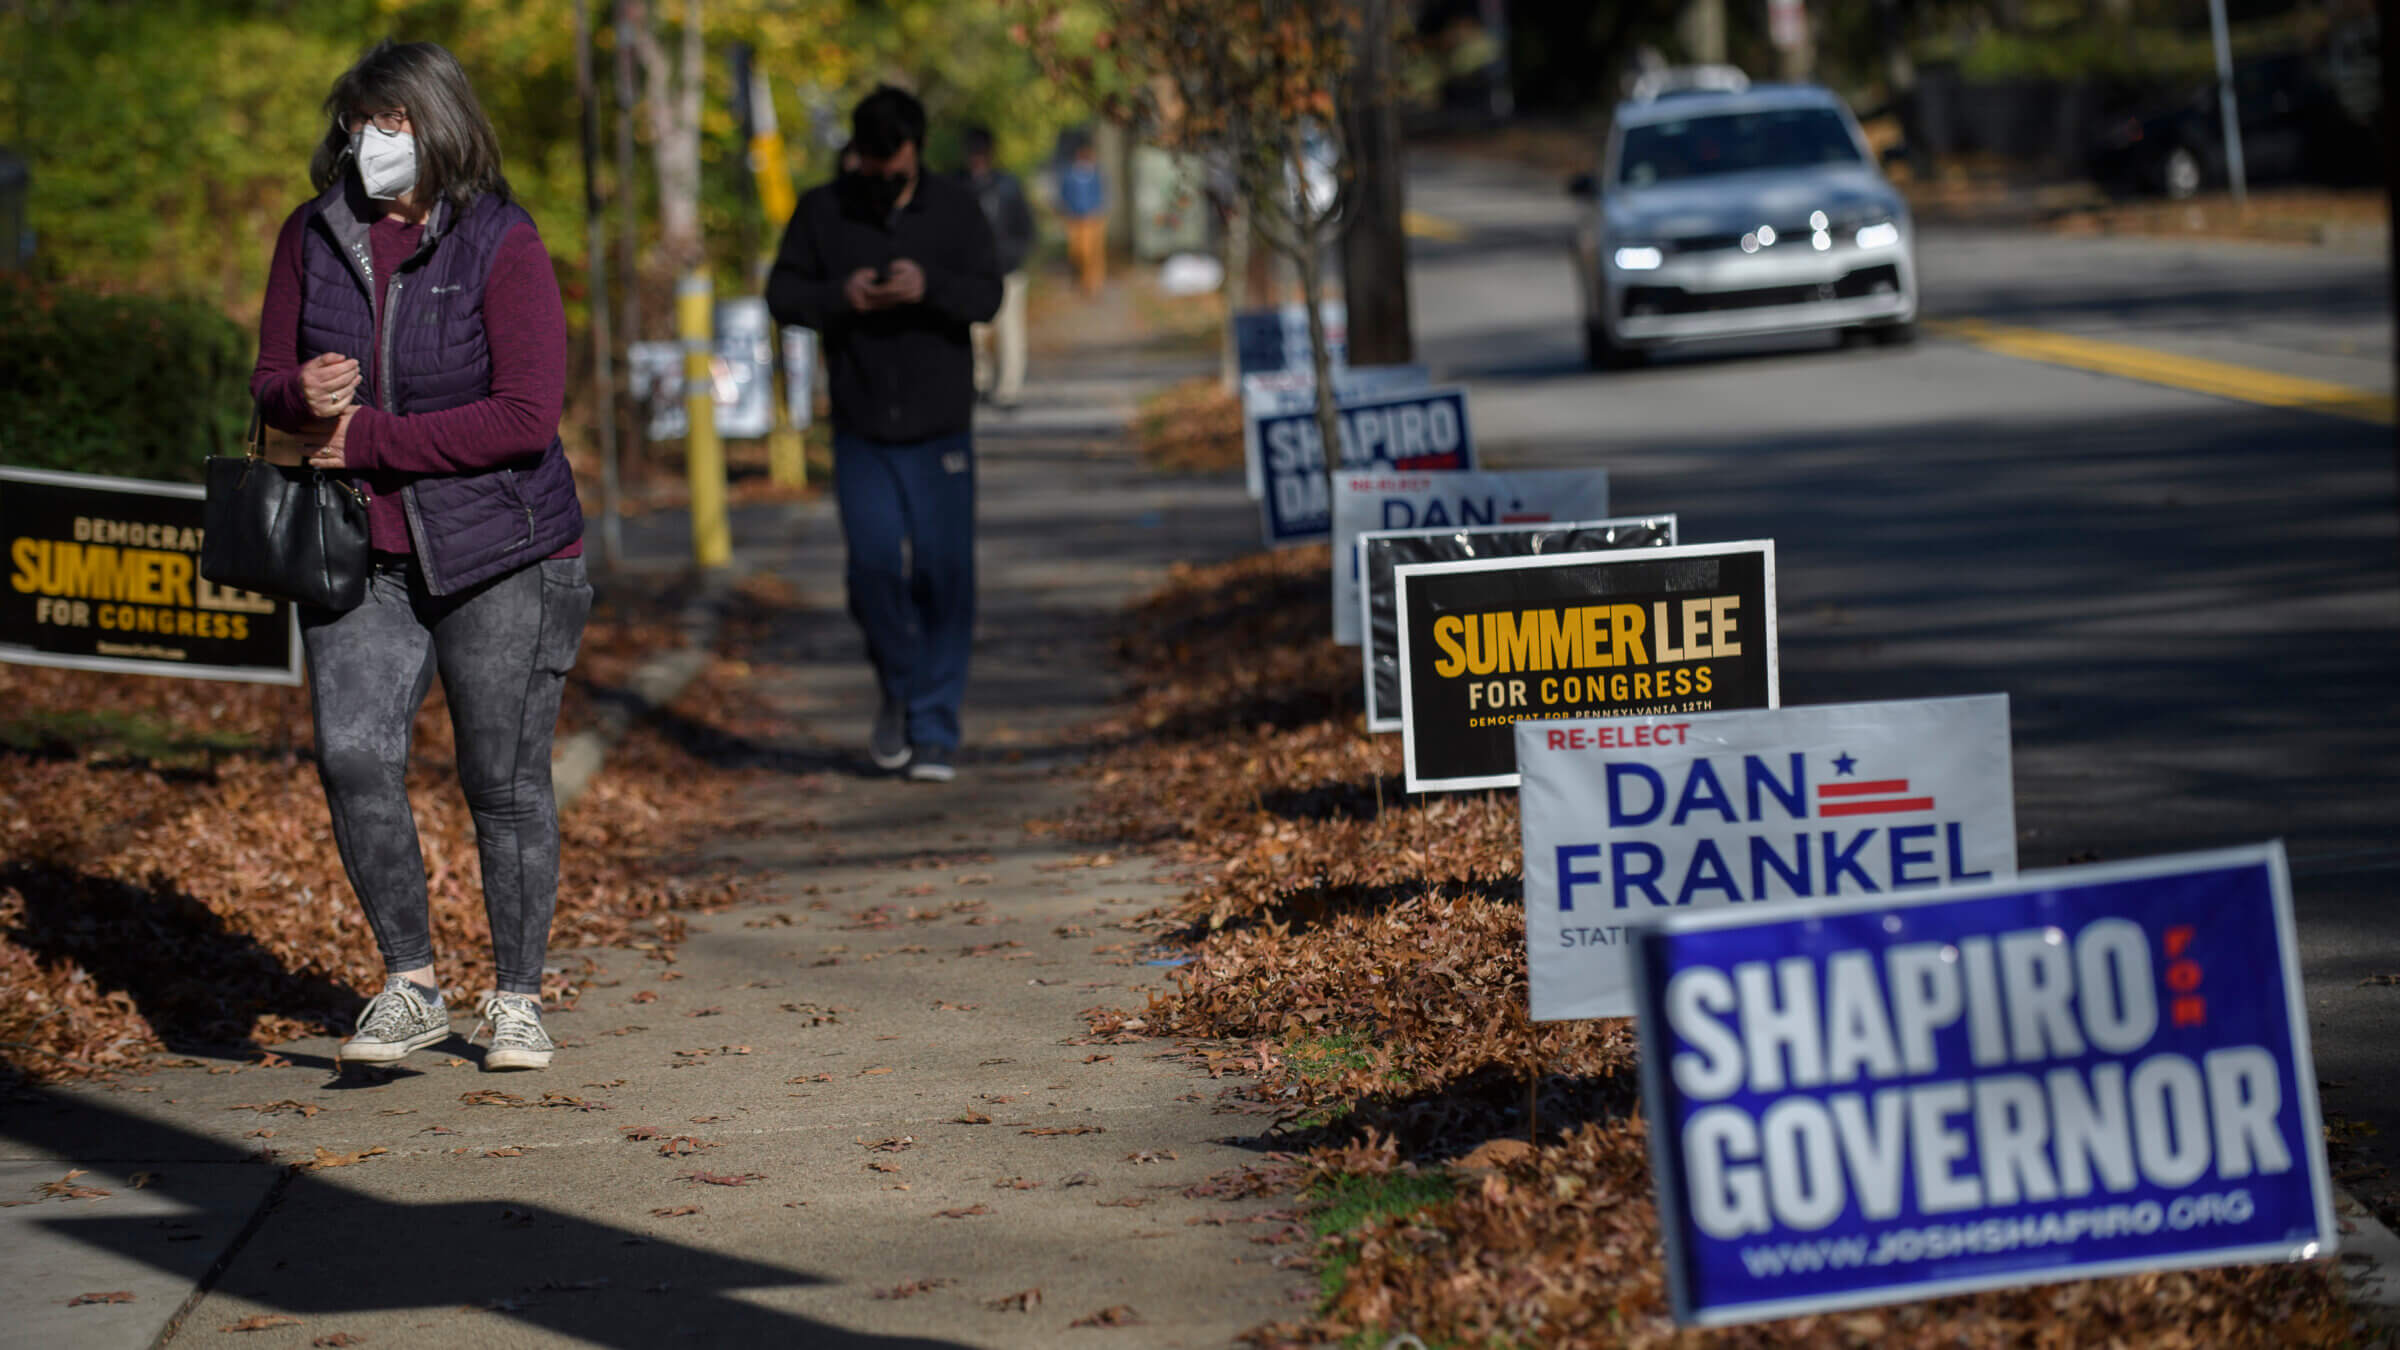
<point>864,1114</point>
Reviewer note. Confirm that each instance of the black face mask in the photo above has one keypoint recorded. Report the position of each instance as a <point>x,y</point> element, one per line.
<point>875,195</point>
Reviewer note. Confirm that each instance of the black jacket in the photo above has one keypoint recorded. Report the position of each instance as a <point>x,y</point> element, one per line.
<point>897,375</point>
<point>1003,199</point>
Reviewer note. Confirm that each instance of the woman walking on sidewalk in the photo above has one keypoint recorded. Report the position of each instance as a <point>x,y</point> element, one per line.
<point>412,332</point>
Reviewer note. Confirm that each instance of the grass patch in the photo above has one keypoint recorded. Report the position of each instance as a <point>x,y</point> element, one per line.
<point>1348,1202</point>
<point>117,734</point>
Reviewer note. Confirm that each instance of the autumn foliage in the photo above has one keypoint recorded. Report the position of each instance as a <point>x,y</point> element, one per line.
<point>1367,950</point>
<point>168,879</point>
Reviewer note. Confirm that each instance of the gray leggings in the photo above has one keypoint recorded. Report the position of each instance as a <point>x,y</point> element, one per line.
<point>503,649</point>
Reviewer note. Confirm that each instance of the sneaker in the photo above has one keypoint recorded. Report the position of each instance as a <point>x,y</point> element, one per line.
<point>932,765</point>
<point>395,1022</point>
<point>888,745</point>
<point>518,1041</point>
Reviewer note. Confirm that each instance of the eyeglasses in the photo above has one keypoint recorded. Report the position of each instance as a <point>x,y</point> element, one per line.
<point>390,123</point>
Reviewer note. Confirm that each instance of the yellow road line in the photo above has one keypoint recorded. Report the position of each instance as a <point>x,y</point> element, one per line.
<point>2217,378</point>
<point>1418,225</point>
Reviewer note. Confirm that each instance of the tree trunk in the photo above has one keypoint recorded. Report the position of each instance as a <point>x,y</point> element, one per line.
<point>1375,243</point>
<point>629,19</point>
<point>673,98</point>
<point>1320,355</point>
<point>1237,266</point>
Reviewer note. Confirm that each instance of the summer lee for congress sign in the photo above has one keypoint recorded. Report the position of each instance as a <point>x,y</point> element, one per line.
<point>2093,1071</point>
<point>1630,817</point>
<point>1492,642</point>
<point>104,574</point>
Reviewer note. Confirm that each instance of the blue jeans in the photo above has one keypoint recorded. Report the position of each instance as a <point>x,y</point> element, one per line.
<point>908,516</point>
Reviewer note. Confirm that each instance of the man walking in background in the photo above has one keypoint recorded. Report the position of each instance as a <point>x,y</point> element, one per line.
<point>891,265</point>
<point>1083,200</point>
<point>1000,344</point>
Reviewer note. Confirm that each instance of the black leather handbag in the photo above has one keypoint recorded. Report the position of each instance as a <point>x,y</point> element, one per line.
<point>292,532</point>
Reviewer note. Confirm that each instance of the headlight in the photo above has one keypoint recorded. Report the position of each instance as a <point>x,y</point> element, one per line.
<point>1882,234</point>
<point>1640,258</point>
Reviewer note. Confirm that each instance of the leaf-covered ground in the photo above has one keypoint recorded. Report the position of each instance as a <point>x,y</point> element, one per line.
<point>168,879</point>
<point>1192,427</point>
<point>1366,951</point>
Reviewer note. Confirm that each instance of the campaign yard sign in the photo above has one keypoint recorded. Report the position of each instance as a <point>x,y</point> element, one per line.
<point>1379,551</point>
<point>104,574</point>
<point>1459,500</point>
<point>1487,643</point>
<point>2092,1071</point>
<point>1290,391</point>
<point>1419,430</point>
<point>1268,340</point>
<point>1628,818</point>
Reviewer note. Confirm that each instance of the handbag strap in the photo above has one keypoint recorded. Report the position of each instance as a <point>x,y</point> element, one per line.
<point>254,441</point>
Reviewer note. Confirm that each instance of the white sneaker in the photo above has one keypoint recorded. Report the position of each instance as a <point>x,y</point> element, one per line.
<point>395,1022</point>
<point>518,1041</point>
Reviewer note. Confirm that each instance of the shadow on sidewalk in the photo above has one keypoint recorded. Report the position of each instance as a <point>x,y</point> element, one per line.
<point>198,983</point>
<point>559,1272</point>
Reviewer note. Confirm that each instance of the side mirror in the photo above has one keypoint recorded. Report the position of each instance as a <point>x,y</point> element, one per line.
<point>1584,187</point>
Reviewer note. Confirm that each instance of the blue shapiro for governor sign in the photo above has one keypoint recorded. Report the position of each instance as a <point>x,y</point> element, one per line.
<point>2093,1071</point>
<point>1417,430</point>
<point>1626,817</point>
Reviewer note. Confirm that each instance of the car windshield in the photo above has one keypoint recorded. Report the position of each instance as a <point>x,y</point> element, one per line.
<point>1699,147</point>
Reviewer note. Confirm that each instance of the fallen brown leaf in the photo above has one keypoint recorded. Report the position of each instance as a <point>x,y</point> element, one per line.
<point>968,1212</point>
<point>113,1296</point>
<point>261,1322</point>
<point>674,1211</point>
<point>340,1338</point>
<point>326,1158</point>
<point>1118,1316</point>
<point>1046,1131</point>
<point>1024,1300</point>
<point>722,1179</point>
<point>913,1288</point>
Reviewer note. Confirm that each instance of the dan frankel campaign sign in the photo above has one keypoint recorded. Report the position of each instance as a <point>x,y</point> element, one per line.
<point>2092,1071</point>
<point>1629,817</point>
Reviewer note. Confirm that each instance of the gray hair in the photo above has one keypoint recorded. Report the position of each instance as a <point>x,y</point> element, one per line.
<point>458,154</point>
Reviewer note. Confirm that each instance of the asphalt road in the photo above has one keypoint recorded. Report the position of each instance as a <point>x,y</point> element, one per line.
<point>2192,601</point>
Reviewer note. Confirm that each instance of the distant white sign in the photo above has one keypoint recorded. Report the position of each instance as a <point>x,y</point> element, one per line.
<point>1424,501</point>
<point>1627,818</point>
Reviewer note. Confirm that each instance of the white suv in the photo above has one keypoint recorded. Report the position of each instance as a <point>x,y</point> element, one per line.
<point>1733,212</point>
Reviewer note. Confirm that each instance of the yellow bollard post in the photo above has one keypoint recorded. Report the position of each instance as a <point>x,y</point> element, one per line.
<point>703,453</point>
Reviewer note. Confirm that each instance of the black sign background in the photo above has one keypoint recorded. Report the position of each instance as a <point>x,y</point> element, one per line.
<point>1382,553</point>
<point>1445,746</point>
<point>76,602</point>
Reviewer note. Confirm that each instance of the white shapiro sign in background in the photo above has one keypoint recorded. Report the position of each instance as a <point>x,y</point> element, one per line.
<point>1627,818</point>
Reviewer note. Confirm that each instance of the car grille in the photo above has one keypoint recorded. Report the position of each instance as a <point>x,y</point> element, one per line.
<point>1785,236</point>
<point>1650,301</point>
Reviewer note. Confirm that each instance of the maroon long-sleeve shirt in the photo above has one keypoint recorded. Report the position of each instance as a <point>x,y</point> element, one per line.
<point>526,327</point>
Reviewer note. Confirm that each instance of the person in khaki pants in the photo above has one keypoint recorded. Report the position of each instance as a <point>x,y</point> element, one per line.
<point>1000,344</point>
<point>1083,200</point>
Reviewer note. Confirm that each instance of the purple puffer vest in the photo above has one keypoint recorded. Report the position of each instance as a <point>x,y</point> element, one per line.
<point>467,527</point>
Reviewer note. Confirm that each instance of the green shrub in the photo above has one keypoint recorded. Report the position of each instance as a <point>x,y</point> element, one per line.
<point>123,385</point>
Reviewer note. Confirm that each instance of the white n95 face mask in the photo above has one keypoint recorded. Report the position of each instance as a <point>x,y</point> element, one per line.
<point>387,161</point>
